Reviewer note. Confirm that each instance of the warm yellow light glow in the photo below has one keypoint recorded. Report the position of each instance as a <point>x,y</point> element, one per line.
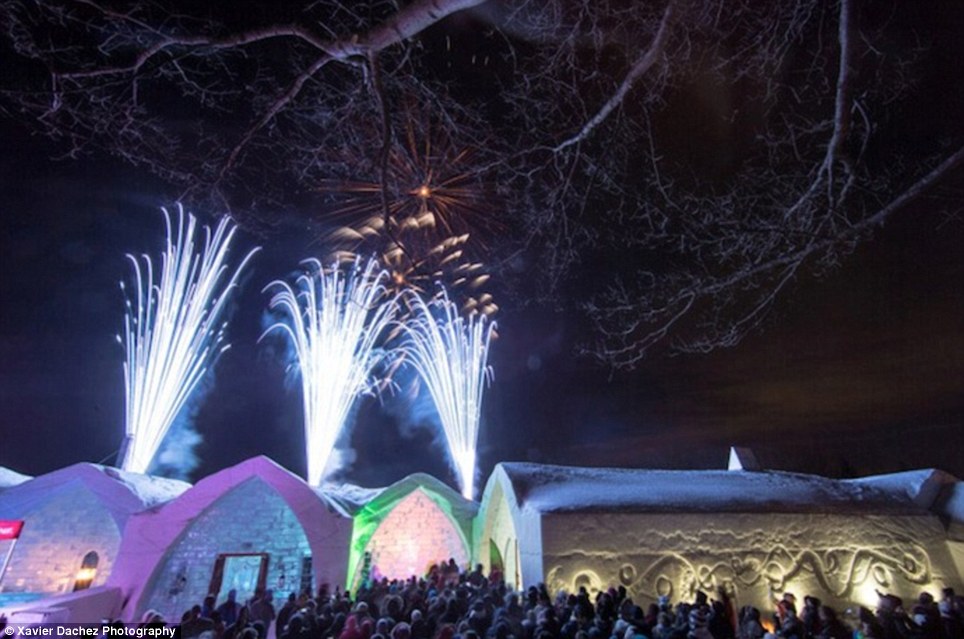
<point>424,191</point>
<point>86,574</point>
<point>866,594</point>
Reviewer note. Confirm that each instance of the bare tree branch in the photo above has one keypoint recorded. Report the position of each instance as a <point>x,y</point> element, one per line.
<point>641,66</point>
<point>699,175</point>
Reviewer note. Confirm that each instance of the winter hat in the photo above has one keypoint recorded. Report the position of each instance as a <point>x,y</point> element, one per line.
<point>151,616</point>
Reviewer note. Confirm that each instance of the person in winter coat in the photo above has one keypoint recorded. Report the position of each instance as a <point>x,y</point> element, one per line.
<point>351,630</point>
<point>750,627</point>
<point>952,619</point>
<point>288,609</point>
<point>791,628</point>
<point>719,625</point>
<point>924,624</point>
<point>230,608</point>
<point>830,626</point>
<point>810,617</point>
<point>784,605</point>
<point>891,617</point>
<point>664,626</point>
<point>699,618</point>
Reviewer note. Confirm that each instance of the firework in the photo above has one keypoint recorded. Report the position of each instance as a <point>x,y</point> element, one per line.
<point>450,353</point>
<point>420,215</point>
<point>334,322</point>
<point>428,184</point>
<point>173,331</point>
<point>415,265</point>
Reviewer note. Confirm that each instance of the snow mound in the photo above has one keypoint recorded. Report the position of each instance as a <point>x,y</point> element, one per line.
<point>10,478</point>
<point>548,488</point>
<point>148,489</point>
<point>350,498</point>
<point>122,492</point>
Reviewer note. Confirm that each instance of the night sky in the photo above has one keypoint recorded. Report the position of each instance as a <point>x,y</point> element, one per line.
<point>859,371</point>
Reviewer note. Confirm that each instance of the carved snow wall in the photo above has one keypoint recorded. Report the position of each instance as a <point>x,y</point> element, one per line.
<point>660,532</point>
<point>841,559</point>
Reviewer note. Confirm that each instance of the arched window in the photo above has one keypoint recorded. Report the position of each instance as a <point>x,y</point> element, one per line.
<point>87,572</point>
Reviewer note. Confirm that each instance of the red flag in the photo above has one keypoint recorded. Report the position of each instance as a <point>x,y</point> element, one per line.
<point>10,529</point>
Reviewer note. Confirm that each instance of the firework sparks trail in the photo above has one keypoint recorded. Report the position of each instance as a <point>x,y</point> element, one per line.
<point>173,332</point>
<point>334,322</point>
<point>450,354</point>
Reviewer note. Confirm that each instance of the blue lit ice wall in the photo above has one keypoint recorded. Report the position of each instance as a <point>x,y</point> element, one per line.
<point>250,518</point>
<point>61,527</point>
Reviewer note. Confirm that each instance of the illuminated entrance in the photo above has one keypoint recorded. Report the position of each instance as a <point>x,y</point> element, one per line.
<point>414,535</point>
<point>409,526</point>
<point>239,572</point>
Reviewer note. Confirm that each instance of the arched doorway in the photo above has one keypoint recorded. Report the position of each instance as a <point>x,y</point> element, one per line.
<point>414,535</point>
<point>495,558</point>
<point>87,572</point>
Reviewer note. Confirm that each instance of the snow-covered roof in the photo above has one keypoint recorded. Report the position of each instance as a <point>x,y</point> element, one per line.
<point>121,493</point>
<point>548,488</point>
<point>10,478</point>
<point>289,485</point>
<point>349,497</point>
<point>149,490</point>
<point>352,498</point>
<point>924,486</point>
<point>935,490</point>
<point>462,508</point>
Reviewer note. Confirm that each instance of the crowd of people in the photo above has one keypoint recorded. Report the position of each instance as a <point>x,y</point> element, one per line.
<point>451,604</point>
